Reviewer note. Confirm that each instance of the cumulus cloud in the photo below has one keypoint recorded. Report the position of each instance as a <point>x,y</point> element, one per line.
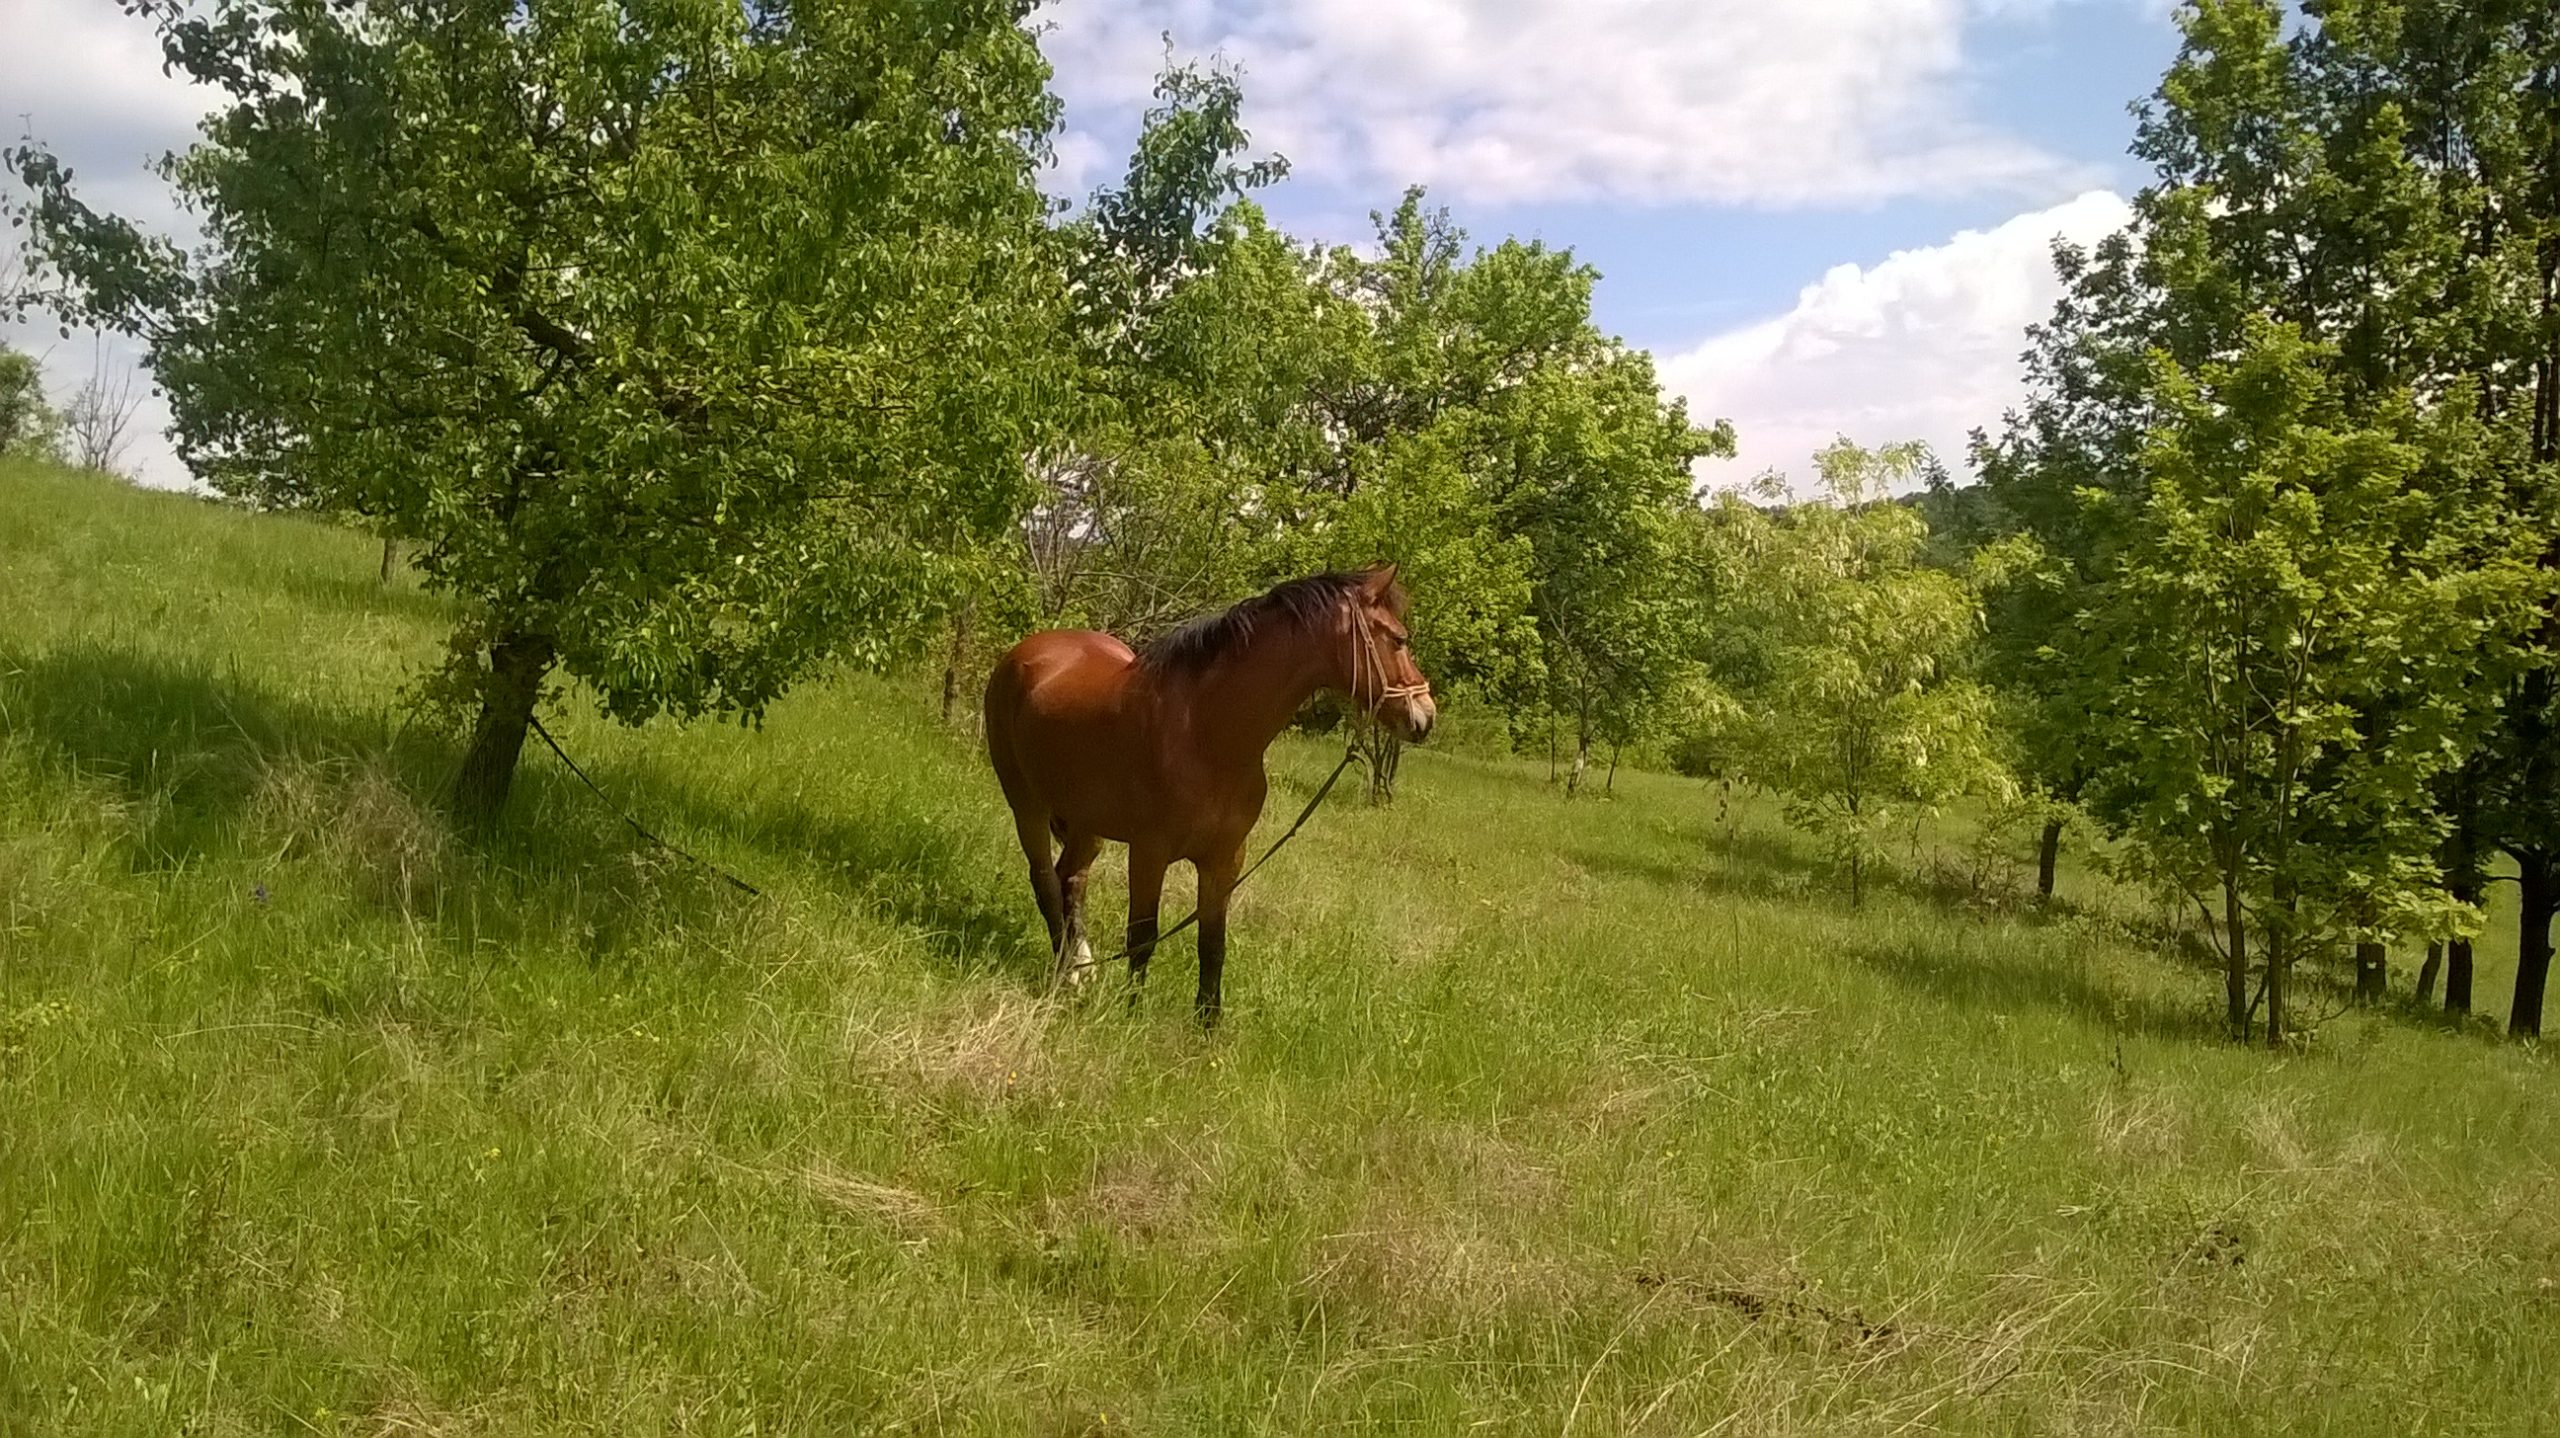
<point>1741,102</point>
<point>1922,345</point>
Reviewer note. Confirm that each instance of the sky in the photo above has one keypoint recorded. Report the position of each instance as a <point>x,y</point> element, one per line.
<point>1823,217</point>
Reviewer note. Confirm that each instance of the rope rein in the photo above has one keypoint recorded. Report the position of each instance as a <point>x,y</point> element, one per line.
<point>1368,663</point>
<point>734,880</point>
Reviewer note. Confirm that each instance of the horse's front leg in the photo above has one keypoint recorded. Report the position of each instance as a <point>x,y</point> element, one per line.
<point>1146,898</point>
<point>1217,881</point>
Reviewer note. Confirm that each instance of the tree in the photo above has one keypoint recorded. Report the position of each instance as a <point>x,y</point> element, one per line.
<point>1593,470</point>
<point>1175,290</point>
<point>2384,176</point>
<point>2079,432</point>
<point>1840,661</point>
<point>2299,638</point>
<point>687,343</point>
<point>97,425</point>
<point>28,426</point>
<point>1475,632</point>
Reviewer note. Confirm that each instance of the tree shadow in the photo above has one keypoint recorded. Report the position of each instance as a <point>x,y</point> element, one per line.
<point>2052,979</point>
<point>189,751</point>
<point>908,868</point>
<point>1747,866</point>
<point>184,746</point>
<point>1761,866</point>
<point>364,594</point>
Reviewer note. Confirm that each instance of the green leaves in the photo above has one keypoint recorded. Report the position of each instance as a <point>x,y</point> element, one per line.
<point>689,339</point>
<point>1253,408</point>
<point>2310,627</point>
<point>1844,658</point>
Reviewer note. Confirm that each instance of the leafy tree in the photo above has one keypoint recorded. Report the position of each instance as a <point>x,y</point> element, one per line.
<point>1841,666</point>
<point>2298,639</point>
<point>1420,504</point>
<point>1171,275</point>
<point>28,426</point>
<point>688,343</point>
<point>2079,432</point>
<point>2381,175</point>
<point>1593,470</point>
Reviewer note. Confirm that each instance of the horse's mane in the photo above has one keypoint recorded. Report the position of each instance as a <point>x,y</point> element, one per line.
<point>1305,602</point>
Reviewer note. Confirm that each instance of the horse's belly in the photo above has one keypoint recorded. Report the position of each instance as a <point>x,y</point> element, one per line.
<point>1086,772</point>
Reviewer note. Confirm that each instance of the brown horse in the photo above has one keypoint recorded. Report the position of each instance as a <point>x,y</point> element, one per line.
<point>1162,749</point>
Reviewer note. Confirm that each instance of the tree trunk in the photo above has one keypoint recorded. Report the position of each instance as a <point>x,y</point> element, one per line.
<point>2428,971</point>
<point>2537,897</point>
<point>2048,850</point>
<point>1551,748</point>
<point>2373,973</point>
<point>390,552</point>
<point>2463,881</point>
<point>2235,963</point>
<point>951,663</point>
<point>517,664</point>
<point>2275,988</point>
<point>1581,762</point>
<point>1611,785</point>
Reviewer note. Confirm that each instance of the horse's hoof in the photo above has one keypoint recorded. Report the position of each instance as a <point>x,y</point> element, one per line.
<point>1077,968</point>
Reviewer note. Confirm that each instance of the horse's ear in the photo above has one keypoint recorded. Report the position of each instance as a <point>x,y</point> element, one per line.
<point>1380,576</point>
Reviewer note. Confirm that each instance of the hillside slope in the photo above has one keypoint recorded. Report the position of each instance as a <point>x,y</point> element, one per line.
<point>1529,1117</point>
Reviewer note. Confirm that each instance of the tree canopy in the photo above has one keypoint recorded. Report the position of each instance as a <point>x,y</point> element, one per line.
<point>685,342</point>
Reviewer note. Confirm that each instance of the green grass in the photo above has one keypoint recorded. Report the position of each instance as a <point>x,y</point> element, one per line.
<point>1528,1117</point>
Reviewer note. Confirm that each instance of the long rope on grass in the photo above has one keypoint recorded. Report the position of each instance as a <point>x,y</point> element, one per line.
<point>636,826</point>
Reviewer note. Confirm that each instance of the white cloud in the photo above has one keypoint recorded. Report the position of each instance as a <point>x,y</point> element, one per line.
<point>85,79</point>
<point>1923,345</point>
<point>1743,102</point>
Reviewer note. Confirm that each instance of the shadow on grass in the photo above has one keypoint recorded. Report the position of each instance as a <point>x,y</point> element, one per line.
<point>184,744</point>
<point>2055,980</point>
<point>364,594</point>
<point>1761,866</point>
<point>910,868</point>
<point>1745,866</point>
<point>189,748</point>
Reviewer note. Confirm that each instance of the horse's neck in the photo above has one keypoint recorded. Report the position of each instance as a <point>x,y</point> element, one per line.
<point>1246,698</point>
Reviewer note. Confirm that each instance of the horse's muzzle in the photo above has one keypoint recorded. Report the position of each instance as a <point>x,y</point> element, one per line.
<point>1413,715</point>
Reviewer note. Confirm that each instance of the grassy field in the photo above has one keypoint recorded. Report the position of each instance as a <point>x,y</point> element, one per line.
<point>1528,1117</point>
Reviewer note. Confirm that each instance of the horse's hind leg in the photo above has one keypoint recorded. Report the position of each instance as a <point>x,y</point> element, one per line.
<point>1033,831</point>
<point>1075,865</point>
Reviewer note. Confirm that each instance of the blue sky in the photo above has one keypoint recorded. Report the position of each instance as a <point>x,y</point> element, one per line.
<point>1823,216</point>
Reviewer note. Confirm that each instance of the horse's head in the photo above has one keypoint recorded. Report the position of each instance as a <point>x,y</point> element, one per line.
<point>1384,680</point>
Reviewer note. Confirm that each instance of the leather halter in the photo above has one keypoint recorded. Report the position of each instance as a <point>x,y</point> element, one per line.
<point>1366,639</point>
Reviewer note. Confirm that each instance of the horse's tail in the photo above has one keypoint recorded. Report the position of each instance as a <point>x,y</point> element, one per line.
<point>1002,705</point>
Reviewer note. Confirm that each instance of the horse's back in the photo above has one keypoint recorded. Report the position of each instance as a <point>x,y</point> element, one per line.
<point>1053,708</point>
<point>1058,672</point>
